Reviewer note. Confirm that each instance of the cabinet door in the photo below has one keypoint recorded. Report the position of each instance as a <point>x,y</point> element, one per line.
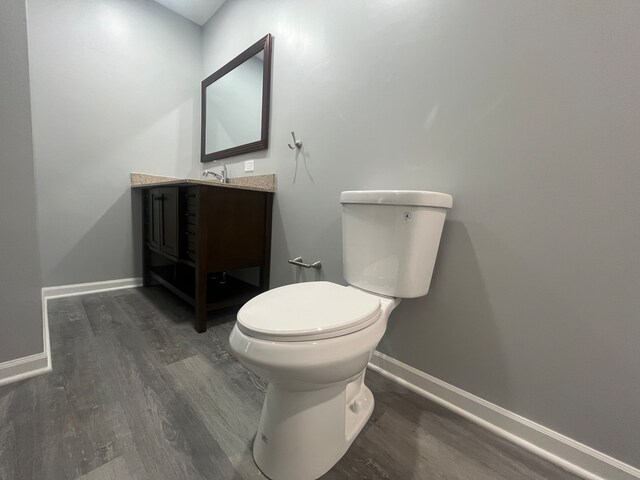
<point>169,224</point>
<point>153,219</point>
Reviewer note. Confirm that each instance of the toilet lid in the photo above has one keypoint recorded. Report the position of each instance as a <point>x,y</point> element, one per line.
<point>308,311</point>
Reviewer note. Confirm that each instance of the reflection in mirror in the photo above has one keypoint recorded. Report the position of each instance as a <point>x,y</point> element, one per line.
<point>235,104</point>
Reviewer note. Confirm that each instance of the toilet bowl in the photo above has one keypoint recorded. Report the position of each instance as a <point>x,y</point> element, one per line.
<point>312,341</point>
<point>316,400</point>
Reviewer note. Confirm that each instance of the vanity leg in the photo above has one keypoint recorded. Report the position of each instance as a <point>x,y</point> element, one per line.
<point>264,277</point>
<point>201,320</point>
<point>265,268</point>
<point>201,301</point>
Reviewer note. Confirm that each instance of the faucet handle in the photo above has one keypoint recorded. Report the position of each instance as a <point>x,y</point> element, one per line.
<point>222,178</point>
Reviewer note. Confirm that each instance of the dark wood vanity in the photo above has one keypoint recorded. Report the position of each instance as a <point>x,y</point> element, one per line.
<point>194,233</point>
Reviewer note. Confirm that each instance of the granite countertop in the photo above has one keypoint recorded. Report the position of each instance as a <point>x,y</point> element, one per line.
<point>262,183</point>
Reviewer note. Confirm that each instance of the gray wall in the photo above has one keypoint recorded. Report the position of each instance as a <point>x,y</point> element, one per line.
<point>115,89</point>
<point>20,276</point>
<point>528,113</point>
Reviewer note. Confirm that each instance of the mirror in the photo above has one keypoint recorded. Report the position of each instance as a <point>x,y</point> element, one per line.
<point>235,104</point>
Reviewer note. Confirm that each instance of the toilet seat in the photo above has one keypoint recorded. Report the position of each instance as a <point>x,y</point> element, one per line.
<point>308,311</point>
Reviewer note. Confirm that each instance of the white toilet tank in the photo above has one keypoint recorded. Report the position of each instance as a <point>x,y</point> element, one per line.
<point>390,239</point>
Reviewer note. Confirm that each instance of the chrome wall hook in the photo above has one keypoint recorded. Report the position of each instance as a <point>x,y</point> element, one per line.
<point>296,143</point>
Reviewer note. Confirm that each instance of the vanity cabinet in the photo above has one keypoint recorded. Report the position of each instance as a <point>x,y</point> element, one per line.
<point>195,234</point>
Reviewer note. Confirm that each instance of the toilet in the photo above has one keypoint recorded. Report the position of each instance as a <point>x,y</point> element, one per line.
<point>312,341</point>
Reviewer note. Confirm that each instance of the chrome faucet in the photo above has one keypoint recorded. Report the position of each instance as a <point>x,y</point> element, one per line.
<point>223,178</point>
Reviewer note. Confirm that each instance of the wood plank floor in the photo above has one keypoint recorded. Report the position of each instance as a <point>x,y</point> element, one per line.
<point>136,393</point>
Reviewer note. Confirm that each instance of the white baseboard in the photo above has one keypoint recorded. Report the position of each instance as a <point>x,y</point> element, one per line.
<point>555,447</point>
<point>93,287</point>
<point>26,367</point>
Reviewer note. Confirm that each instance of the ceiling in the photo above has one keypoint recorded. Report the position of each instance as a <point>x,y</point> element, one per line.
<point>198,11</point>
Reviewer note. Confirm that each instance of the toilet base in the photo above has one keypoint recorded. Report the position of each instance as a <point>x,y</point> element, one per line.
<point>302,434</point>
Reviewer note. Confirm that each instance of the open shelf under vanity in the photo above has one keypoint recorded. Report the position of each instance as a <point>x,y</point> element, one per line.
<point>223,290</point>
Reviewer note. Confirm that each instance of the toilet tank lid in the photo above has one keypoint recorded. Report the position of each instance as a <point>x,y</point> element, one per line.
<point>398,197</point>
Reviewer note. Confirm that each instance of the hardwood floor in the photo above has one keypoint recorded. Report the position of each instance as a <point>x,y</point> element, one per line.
<point>136,393</point>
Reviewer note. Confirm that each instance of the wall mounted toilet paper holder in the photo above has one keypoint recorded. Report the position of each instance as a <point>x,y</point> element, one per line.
<point>298,261</point>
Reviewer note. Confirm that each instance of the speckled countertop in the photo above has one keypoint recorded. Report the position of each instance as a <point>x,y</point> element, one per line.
<point>263,183</point>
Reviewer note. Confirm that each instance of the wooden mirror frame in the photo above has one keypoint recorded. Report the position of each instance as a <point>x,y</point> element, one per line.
<point>265,44</point>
